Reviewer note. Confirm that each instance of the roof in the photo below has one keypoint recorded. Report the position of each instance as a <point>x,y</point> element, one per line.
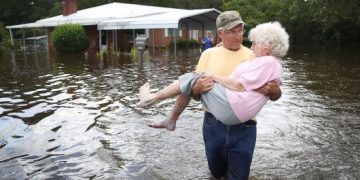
<point>132,16</point>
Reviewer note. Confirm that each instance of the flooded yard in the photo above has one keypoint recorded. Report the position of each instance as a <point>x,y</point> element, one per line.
<point>72,117</point>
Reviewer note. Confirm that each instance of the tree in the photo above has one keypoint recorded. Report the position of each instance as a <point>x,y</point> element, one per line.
<point>307,21</point>
<point>18,12</point>
<point>254,12</point>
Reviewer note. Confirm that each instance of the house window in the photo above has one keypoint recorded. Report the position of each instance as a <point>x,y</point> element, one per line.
<point>194,34</point>
<point>171,32</point>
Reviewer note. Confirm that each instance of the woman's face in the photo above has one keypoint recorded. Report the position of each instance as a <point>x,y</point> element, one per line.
<point>259,50</point>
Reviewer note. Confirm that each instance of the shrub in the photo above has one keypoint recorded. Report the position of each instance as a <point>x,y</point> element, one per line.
<point>6,43</point>
<point>70,38</point>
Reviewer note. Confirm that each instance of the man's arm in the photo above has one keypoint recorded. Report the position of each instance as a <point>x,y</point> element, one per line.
<point>271,89</point>
<point>205,84</point>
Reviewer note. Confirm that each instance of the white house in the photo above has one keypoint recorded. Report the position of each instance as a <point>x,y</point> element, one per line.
<point>116,25</point>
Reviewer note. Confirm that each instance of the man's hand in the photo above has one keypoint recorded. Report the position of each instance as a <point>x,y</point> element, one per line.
<point>202,85</point>
<point>271,89</point>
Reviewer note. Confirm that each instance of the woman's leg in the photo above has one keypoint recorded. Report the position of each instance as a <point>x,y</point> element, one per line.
<point>184,85</point>
<point>170,122</point>
<point>147,99</point>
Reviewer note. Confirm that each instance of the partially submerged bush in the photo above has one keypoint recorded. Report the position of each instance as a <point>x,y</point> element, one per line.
<point>70,38</point>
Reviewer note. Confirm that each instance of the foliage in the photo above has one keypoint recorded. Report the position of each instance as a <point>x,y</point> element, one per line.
<point>3,33</point>
<point>134,53</point>
<point>187,4</point>
<point>254,12</point>
<point>18,12</point>
<point>317,21</point>
<point>5,41</point>
<point>70,38</point>
<point>7,44</point>
<point>307,21</point>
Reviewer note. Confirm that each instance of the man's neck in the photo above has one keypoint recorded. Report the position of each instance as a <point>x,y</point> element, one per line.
<point>233,49</point>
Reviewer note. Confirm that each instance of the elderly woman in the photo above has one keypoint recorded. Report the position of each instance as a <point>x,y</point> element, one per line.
<point>232,98</point>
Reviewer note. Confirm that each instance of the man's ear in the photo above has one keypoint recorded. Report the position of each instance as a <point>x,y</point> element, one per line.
<point>220,33</point>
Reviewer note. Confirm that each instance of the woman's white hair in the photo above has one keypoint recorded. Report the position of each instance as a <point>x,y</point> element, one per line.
<point>271,35</point>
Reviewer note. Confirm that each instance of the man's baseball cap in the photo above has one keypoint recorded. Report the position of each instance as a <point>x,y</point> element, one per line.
<point>228,20</point>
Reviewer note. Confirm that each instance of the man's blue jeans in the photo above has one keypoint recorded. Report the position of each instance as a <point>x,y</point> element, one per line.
<point>229,148</point>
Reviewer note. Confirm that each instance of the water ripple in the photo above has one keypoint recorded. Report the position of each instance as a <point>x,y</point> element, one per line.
<point>72,118</point>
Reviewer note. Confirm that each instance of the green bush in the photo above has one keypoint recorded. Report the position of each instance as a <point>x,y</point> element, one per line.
<point>70,38</point>
<point>6,43</point>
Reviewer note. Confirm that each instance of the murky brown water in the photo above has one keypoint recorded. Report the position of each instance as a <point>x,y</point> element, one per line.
<point>75,118</point>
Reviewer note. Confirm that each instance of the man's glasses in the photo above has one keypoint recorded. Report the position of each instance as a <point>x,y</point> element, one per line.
<point>234,33</point>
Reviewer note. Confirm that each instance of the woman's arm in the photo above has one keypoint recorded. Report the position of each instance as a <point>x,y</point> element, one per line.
<point>229,82</point>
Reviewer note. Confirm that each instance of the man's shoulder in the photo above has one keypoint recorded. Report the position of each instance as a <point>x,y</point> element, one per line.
<point>211,50</point>
<point>221,49</point>
<point>216,49</point>
<point>246,49</point>
<point>247,52</point>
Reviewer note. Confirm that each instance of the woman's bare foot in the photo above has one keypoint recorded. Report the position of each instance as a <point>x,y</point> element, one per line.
<point>167,124</point>
<point>146,98</point>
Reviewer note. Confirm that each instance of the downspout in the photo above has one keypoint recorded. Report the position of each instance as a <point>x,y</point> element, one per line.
<point>12,40</point>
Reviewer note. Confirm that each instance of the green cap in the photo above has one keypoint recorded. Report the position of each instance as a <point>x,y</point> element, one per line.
<point>228,20</point>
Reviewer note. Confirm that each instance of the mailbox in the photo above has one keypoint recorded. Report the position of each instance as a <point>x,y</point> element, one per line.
<point>141,42</point>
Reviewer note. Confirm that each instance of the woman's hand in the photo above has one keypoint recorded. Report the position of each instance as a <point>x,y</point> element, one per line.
<point>202,85</point>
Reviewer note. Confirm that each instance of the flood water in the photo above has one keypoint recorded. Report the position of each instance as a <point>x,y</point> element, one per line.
<point>71,117</point>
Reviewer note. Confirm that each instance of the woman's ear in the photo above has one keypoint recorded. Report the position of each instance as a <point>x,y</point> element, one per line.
<point>268,49</point>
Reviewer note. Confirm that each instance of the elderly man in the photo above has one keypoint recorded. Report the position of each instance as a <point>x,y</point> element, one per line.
<point>229,148</point>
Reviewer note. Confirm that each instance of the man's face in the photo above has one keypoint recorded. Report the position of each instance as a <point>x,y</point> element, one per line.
<point>232,38</point>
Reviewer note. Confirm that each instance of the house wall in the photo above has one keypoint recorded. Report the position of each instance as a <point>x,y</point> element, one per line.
<point>158,39</point>
<point>123,43</point>
<point>93,38</point>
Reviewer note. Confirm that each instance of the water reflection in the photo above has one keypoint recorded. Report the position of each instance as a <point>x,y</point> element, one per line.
<point>75,116</point>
